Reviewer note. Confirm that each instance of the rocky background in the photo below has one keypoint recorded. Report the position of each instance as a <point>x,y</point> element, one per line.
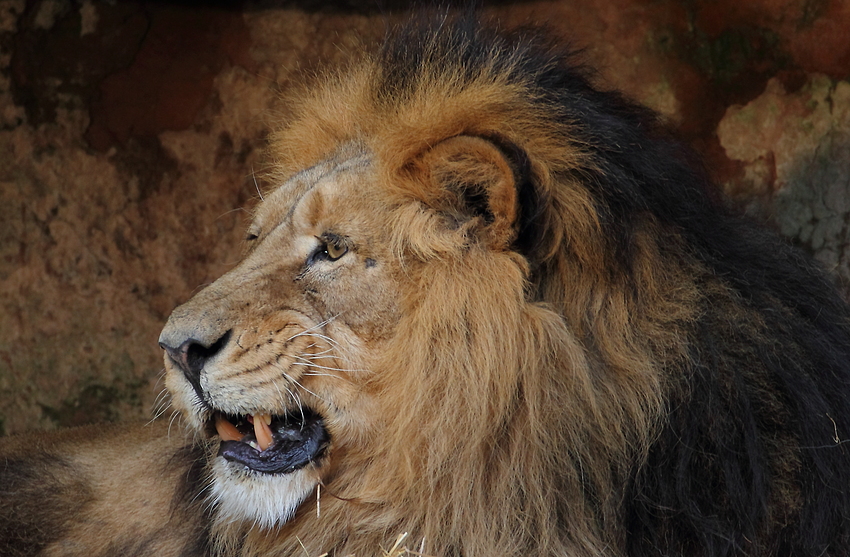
<point>131,132</point>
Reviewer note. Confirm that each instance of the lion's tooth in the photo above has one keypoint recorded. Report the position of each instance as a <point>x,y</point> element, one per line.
<point>262,431</point>
<point>226,430</point>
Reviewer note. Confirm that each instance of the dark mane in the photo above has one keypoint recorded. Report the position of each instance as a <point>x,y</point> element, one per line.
<point>765,393</point>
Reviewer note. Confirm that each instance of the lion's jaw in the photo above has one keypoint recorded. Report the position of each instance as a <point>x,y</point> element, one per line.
<point>272,357</point>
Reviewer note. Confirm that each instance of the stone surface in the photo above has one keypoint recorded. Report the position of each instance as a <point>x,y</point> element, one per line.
<point>131,136</point>
<point>795,150</point>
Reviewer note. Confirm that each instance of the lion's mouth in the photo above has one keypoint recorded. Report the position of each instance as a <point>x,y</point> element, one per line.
<point>272,444</point>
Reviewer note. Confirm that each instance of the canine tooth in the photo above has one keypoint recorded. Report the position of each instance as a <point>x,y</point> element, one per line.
<point>226,430</point>
<point>262,431</point>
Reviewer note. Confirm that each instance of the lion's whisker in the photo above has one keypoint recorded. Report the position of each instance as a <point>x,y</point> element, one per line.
<point>312,365</point>
<point>279,392</point>
<point>163,394</point>
<point>317,326</point>
<point>310,331</point>
<point>175,415</point>
<point>310,358</point>
<point>160,407</point>
<point>292,394</point>
<point>309,391</point>
<point>162,400</point>
<point>306,361</point>
<point>319,356</point>
<point>295,382</point>
<point>256,185</point>
<point>326,338</point>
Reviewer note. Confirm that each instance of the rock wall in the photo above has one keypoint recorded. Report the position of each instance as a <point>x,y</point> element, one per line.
<point>131,133</point>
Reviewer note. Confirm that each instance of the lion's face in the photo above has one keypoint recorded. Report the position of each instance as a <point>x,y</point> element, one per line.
<point>275,357</point>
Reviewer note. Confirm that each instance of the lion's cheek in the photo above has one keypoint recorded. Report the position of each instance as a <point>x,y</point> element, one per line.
<point>366,306</point>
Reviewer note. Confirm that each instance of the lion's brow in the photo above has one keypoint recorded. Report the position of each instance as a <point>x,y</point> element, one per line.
<point>310,177</point>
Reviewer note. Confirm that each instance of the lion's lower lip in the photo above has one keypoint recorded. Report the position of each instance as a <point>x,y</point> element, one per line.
<point>299,438</point>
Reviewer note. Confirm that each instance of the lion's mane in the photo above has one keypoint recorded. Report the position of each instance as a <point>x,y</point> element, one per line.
<point>638,372</point>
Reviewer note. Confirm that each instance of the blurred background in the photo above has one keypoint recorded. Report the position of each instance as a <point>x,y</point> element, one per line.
<point>130,132</point>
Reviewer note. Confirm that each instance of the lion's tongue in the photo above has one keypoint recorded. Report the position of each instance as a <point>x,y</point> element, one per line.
<point>228,432</point>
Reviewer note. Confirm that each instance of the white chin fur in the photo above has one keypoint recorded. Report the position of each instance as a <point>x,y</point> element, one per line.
<point>265,500</point>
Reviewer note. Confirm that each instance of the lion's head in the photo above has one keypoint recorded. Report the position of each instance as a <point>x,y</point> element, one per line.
<point>464,311</point>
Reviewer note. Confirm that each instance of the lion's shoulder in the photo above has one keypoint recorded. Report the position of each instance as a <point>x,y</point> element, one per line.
<point>101,490</point>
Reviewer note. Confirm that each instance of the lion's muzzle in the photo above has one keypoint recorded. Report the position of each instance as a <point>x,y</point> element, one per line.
<point>265,440</point>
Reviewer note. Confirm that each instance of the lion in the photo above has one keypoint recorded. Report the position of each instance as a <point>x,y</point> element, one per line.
<point>485,309</point>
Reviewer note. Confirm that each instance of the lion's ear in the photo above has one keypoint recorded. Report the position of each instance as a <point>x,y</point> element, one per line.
<point>471,178</point>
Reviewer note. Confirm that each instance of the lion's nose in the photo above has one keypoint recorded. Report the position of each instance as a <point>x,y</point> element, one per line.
<point>191,356</point>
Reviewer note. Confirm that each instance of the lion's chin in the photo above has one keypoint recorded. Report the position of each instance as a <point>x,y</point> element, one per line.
<point>263,500</point>
<point>266,465</point>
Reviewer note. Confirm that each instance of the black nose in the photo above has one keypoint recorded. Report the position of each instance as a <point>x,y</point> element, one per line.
<point>191,356</point>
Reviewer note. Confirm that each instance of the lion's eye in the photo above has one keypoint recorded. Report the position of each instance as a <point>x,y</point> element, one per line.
<point>331,248</point>
<point>335,250</point>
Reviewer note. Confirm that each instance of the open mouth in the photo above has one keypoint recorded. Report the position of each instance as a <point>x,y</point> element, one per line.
<point>272,444</point>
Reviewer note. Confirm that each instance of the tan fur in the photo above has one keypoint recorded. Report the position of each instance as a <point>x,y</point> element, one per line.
<point>98,491</point>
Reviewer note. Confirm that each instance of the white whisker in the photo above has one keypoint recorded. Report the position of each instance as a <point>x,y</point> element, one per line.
<point>160,407</point>
<point>312,365</point>
<point>311,392</point>
<point>163,394</point>
<point>174,416</point>
<point>293,395</point>
<point>319,356</point>
<point>326,338</point>
<point>280,393</point>
<point>256,185</point>
<point>310,331</point>
<point>318,325</point>
<point>306,361</point>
